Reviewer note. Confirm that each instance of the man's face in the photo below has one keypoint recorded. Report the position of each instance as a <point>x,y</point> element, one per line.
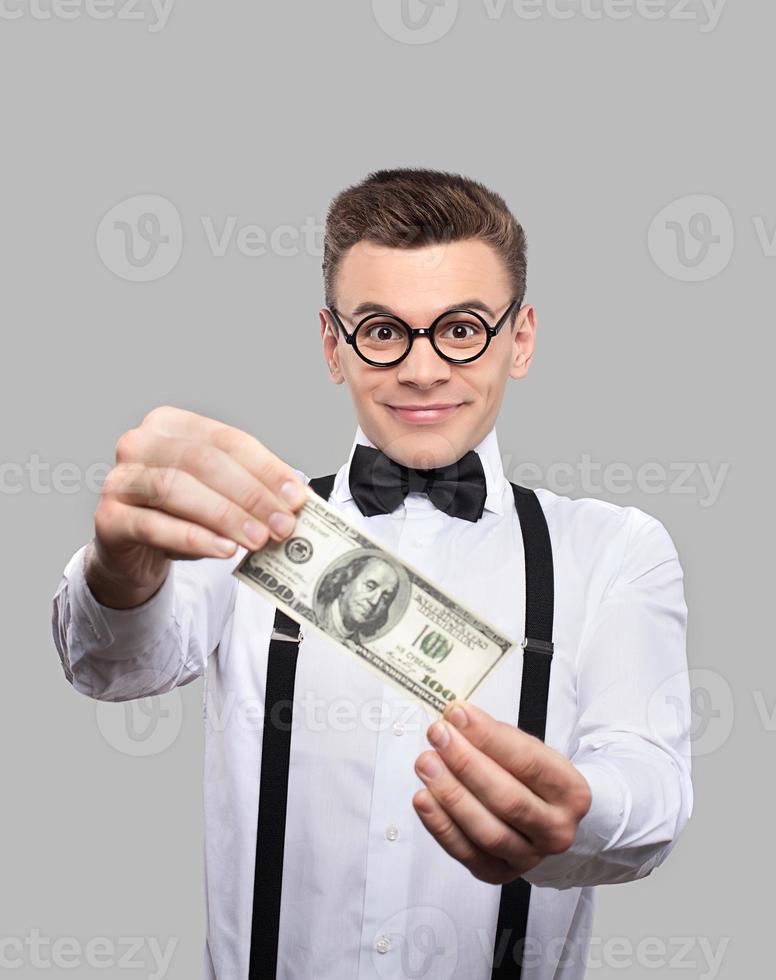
<point>418,284</point>
<point>367,595</point>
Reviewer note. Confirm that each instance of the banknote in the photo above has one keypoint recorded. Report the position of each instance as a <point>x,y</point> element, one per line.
<point>335,579</point>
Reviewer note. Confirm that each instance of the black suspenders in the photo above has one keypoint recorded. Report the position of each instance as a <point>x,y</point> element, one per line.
<point>512,924</point>
<point>276,748</point>
<point>273,792</point>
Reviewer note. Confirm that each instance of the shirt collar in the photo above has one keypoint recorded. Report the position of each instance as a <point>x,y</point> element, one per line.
<point>488,451</point>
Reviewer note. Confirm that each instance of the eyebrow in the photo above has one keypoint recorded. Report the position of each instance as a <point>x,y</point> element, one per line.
<point>466,304</point>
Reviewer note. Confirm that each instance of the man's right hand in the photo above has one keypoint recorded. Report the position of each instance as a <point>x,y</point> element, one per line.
<point>184,486</point>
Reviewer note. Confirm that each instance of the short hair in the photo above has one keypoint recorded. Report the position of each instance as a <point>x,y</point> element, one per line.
<point>408,208</point>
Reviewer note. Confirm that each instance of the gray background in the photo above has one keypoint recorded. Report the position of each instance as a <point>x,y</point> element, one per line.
<point>589,128</point>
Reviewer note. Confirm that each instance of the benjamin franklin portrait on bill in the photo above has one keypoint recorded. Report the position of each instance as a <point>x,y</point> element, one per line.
<point>356,599</point>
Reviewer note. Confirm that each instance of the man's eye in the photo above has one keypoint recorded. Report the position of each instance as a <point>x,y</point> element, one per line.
<point>383,332</point>
<point>461,330</point>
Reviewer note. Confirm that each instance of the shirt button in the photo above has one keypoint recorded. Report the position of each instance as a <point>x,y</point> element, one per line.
<point>398,728</point>
<point>383,944</point>
<point>391,832</point>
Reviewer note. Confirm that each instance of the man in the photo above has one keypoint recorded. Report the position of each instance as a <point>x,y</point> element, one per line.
<point>400,836</point>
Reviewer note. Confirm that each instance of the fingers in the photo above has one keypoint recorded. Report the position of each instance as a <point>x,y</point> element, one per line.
<point>452,838</point>
<point>499,792</point>
<point>174,537</point>
<point>484,829</point>
<point>180,494</point>
<point>549,774</point>
<point>253,501</point>
<point>253,455</point>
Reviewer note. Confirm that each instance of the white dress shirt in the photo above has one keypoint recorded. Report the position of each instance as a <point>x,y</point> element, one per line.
<point>367,891</point>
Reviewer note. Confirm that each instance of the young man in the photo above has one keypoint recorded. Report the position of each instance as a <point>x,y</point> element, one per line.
<point>402,846</point>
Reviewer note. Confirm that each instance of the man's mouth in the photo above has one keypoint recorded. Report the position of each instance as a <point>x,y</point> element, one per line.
<point>434,412</point>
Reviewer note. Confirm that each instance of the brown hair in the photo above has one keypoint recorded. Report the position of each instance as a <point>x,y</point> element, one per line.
<point>408,208</point>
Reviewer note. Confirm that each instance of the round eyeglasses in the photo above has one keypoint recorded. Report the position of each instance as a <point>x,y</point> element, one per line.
<point>460,336</point>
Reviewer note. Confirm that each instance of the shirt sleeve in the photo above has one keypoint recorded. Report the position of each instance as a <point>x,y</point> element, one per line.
<point>122,654</point>
<point>632,740</point>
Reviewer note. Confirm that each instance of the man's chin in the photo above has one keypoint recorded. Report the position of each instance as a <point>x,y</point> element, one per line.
<point>424,446</point>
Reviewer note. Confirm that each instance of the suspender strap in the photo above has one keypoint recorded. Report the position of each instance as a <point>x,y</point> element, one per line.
<point>512,924</point>
<point>273,793</point>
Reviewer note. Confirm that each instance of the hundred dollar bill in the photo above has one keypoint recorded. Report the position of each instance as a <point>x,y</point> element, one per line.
<point>333,578</point>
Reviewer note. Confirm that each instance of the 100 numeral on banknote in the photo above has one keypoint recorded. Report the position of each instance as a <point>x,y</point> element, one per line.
<point>333,578</point>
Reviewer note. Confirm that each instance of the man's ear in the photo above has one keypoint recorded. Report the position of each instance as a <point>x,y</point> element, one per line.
<point>523,339</point>
<point>331,347</point>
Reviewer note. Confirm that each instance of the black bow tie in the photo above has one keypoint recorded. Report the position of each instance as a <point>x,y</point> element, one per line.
<point>379,484</point>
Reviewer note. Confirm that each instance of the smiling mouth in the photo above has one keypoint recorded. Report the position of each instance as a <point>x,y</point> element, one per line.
<point>424,413</point>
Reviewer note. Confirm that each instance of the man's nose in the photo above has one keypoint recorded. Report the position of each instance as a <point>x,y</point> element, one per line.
<point>423,365</point>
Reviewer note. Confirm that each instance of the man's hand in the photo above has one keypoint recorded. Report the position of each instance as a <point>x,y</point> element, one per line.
<point>184,487</point>
<point>497,799</point>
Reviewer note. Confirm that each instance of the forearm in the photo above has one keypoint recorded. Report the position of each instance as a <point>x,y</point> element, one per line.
<point>641,801</point>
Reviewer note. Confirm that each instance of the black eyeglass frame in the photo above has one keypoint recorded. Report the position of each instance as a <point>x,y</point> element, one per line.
<point>413,332</point>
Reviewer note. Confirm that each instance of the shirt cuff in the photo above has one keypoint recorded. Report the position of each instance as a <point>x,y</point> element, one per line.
<point>598,829</point>
<point>117,633</point>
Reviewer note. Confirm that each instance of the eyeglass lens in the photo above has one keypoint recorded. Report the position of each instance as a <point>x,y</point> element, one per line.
<point>457,335</point>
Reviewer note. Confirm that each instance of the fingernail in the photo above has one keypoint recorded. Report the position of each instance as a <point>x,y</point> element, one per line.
<point>281,523</point>
<point>458,717</point>
<point>425,804</point>
<point>253,533</point>
<point>430,766</point>
<point>225,546</point>
<point>292,493</point>
<point>438,734</point>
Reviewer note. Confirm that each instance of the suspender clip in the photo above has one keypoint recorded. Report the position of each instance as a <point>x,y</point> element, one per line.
<point>277,635</point>
<point>538,646</point>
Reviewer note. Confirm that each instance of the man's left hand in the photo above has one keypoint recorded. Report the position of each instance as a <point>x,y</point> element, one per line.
<point>500,800</point>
